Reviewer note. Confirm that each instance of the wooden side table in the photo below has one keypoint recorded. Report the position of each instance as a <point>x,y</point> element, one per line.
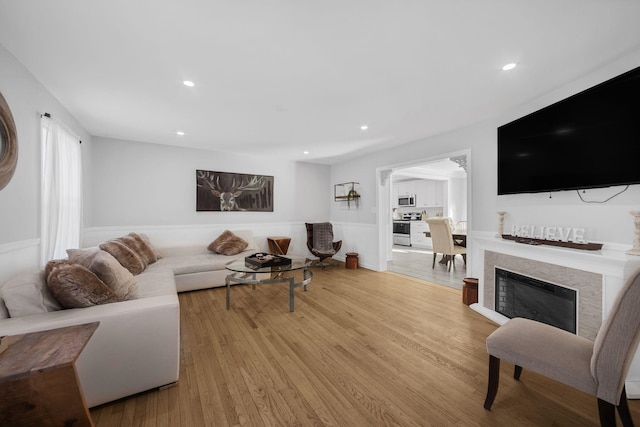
<point>278,245</point>
<point>352,260</point>
<point>470,290</point>
<point>38,379</point>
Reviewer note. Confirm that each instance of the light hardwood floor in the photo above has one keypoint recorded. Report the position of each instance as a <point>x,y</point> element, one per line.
<point>361,349</point>
<point>417,262</point>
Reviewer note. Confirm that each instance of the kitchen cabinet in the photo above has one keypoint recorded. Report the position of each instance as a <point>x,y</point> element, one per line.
<point>418,239</point>
<point>394,196</point>
<point>406,188</point>
<point>430,193</point>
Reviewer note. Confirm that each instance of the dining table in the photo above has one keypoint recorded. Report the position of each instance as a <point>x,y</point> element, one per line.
<point>459,239</point>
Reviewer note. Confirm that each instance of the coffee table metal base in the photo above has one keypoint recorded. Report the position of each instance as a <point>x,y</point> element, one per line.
<point>251,279</point>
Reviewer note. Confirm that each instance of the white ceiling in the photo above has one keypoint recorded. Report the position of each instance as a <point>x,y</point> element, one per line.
<point>283,76</point>
<point>438,169</point>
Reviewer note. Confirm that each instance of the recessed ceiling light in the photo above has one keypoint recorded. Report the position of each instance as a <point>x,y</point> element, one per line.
<point>305,152</point>
<point>364,127</point>
<point>180,133</point>
<point>509,66</point>
<point>188,83</point>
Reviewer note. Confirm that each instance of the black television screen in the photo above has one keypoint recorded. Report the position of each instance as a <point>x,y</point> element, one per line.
<point>589,140</point>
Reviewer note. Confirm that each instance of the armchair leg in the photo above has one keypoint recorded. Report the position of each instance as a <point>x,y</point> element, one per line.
<point>607,413</point>
<point>434,260</point>
<point>623,409</point>
<point>517,372</point>
<point>494,379</point>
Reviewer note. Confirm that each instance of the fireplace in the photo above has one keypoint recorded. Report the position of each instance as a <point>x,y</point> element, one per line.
<point>597,276</point>
<point>588,285</point>
<point>517,295</point>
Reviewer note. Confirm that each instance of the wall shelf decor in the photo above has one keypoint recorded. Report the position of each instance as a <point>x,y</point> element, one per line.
<point>535,241</point>
<point>347,192</point>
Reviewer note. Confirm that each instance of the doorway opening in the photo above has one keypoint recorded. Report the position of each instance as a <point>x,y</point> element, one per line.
<point>431,188</point>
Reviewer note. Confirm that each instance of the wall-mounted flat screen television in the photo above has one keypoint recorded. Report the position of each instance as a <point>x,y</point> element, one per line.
<point>589,140</point>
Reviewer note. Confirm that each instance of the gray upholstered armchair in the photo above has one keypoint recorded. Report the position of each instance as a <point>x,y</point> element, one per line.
<point>320,242</point>
<point>596,367</point>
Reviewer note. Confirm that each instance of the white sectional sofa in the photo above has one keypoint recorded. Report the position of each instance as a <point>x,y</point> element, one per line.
<point>137,345</point>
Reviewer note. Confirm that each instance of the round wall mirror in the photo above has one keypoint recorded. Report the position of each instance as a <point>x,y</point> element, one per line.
<point>8,144</point>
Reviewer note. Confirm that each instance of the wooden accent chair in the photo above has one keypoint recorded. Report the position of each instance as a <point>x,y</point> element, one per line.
<point>442,239</point>
<point>320,242</point>
<point>596,367</point>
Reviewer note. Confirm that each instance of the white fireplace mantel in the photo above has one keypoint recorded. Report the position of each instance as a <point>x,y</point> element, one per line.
<point>611,262</point>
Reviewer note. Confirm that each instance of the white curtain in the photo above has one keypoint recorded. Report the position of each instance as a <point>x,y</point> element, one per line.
<point>61,191</point>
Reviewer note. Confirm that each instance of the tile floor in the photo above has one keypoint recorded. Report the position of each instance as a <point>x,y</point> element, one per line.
<point>416,262</point>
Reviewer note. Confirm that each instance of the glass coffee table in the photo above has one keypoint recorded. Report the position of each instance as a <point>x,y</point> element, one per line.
<point>245,273</point>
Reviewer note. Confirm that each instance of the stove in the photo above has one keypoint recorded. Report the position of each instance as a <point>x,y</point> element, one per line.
<point>402,228</point>
<point>402,233</point>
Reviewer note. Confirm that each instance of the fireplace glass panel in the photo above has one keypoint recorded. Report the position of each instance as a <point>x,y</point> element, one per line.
<point>522,296</point>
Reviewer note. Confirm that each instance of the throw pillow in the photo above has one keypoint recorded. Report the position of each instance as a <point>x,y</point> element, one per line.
<point>143,248</point>
<point>228,244</point>
<point>27,293</point>
<point>108,269</point>
<point>74,286</point>
<point>155,251</point>
<point>248,236</point>
<point>53,264</point>
<point>125,256</point>
<point>140,247</point>
<point>129,243</point>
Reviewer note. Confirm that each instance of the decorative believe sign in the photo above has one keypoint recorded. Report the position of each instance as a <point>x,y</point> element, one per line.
<point>559,234</point>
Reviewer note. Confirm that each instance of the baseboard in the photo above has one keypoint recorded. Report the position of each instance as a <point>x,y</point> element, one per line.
<point>633,389</point>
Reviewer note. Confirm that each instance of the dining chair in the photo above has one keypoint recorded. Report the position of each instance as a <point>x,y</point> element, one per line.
<point>598,367</point>
<point>442,239</point>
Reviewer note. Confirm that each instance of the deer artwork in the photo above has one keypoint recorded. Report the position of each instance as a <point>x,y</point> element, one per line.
<point>229,192</point>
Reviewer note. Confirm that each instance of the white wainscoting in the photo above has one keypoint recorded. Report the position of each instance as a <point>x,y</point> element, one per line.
<point>359,238</point>
<point>177,235</point>
<point>18,257</point>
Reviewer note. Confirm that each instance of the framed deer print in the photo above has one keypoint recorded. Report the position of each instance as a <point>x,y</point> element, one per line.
<point>223,191</point>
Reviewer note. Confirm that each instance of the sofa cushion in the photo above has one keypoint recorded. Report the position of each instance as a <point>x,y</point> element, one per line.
<point>27,293</point>
<point>76,286</point>
<point>186,264</point>
<point>228,244</point>
<point>107,268</point>
<point>125,256</point>
<point>155,282</point>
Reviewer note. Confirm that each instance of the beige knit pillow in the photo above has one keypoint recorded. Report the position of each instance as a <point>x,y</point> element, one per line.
<point>228,244</point>
<point>125,256</point>
<point>74,286</point>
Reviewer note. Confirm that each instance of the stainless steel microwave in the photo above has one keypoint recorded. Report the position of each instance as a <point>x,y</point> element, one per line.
<point>409,200</point>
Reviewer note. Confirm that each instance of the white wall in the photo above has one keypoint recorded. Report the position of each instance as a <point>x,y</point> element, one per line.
<point>20,199</point>
<point>458,199</point>
<point>607,223</point>
<point>140,184</point>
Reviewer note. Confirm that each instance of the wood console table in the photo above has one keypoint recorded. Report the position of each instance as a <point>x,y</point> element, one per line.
<point>38,379</point>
